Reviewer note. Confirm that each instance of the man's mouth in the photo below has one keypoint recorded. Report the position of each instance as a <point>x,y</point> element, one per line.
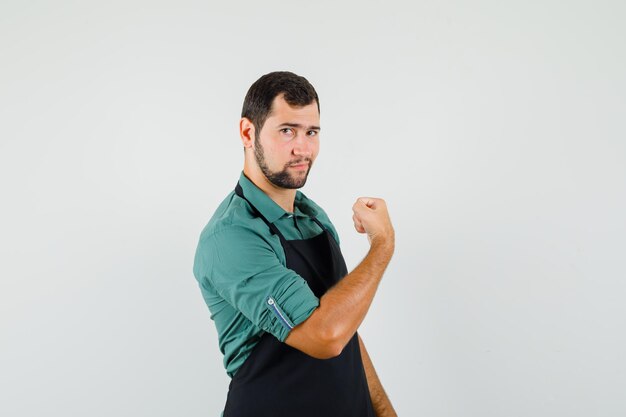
<point>299,165</point>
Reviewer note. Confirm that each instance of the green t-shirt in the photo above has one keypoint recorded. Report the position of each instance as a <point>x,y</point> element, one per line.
<point>241,269</point>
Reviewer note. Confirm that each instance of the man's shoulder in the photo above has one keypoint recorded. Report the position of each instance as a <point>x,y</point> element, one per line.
<point>232,230</point>
<point>233,215</point>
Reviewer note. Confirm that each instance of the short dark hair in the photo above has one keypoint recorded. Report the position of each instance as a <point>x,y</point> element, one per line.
<point>297,92</point>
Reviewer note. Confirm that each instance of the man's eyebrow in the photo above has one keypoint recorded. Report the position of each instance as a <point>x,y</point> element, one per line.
<point>297,125</point>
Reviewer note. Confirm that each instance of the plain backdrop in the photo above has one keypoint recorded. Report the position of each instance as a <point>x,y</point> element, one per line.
<point>494,129</point>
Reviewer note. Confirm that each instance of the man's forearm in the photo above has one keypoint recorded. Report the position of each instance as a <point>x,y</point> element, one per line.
<point>380,401</point>
<point>342,309</point>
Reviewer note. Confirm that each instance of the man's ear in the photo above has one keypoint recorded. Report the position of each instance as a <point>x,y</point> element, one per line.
<point>246,132</point>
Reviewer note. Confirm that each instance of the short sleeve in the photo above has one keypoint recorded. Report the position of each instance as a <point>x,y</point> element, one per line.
<point>243,269</point>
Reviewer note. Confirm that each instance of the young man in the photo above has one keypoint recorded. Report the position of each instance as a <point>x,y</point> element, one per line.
<point>272,274</point>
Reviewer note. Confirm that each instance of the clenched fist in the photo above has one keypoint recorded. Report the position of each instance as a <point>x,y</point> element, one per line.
<point>371,217</point>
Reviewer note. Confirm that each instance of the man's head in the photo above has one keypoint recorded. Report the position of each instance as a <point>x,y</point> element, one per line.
<point>280,128</point>
<point>296,91</point>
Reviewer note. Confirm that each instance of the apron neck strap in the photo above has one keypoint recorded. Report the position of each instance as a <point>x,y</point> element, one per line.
<point>273,228</point>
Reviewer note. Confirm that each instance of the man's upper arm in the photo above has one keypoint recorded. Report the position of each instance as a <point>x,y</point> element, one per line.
<point>244,269</point>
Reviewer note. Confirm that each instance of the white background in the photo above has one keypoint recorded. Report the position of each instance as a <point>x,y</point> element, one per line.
<point>494,129</point>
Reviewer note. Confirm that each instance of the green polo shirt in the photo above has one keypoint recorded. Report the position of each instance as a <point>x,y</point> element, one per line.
<point>241,269</point>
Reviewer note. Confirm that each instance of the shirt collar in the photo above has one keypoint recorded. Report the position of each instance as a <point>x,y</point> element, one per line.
<point>268,208</point>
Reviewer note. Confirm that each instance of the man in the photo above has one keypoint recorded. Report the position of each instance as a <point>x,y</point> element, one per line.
<point>272,274</point>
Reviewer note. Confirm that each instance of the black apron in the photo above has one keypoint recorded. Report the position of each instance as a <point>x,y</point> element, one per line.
<point>277,380</point>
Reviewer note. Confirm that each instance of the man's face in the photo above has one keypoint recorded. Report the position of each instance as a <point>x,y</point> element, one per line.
<point>288,143</point>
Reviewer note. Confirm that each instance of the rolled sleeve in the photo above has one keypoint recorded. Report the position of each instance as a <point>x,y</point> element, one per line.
<point>245,271</point>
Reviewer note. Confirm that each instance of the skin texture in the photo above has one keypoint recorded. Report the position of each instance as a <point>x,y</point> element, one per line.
<point>382,405</point>
<point>278,160</point>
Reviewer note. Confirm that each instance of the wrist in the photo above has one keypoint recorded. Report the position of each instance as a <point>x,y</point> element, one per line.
<point>383,245</point>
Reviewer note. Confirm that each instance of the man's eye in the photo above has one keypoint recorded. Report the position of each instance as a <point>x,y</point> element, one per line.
<point>286,130</point>
<point>312,132</point>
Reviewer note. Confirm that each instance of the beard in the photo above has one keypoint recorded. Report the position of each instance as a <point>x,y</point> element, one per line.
<point>282,179</point>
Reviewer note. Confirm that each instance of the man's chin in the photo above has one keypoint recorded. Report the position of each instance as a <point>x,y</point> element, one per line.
<point>296,183</point>
<point>301,180</point>
<point>289,180</point>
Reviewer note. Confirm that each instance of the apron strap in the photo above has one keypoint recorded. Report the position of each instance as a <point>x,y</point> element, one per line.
<point>318,223</point>
<point>273,228</point>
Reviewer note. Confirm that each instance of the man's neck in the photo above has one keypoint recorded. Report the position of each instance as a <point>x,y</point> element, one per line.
<point>284,197</point>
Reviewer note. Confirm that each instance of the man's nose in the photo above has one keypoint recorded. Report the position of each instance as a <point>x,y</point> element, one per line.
<point>302,145</point>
